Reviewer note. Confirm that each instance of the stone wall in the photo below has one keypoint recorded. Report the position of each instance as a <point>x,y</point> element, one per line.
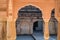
<point>45,6</point>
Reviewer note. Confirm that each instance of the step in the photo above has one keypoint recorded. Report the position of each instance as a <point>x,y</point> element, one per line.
<point>24,37</point>
<point>53,37</point>
<point>38,36</point>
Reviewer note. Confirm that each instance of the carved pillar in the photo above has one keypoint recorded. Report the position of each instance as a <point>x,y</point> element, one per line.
<point>58,27</point>
<point>1,27</point>
<point>46,17</point>
<point>4,30</point>
<point>58,37</point>
<point>11,33</point>
<point>57,15</point>
<point>46,30</point>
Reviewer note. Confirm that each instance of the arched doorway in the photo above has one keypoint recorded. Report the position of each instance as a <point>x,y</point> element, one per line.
<point>53,24</point>
<point>38,25</point>
<point>25,17</point>
<point>24,22</point>
<point>35,25</point>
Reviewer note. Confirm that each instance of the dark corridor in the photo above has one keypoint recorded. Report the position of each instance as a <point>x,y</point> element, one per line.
<point>38,30</point>
<point>38,26</point>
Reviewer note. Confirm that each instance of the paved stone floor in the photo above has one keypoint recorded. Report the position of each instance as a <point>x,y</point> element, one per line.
<point>24,37</point>
<point>53,37</point>
<point>36,35</point>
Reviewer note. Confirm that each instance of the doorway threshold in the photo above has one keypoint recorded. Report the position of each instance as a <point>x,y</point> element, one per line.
<point>38,35</point>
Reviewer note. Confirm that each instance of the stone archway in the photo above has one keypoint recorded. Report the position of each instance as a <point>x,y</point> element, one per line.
<point>35,25</point>
<point>53,24</point>
<point>38,25</point>
<point>25,17</point>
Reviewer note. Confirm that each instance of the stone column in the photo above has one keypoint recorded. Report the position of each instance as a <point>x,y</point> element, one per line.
<point>58,27</point>
<point>57,15</point>
<point>4,30</point>
<point>46,17</point>
<point>58,35</point>
<point>11,31</point>
<point>1,27</point>
<point>46,30</point>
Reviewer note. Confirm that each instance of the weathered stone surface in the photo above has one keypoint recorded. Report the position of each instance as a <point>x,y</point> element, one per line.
<point>46,7</point>
<point>3,14</point>
<point>3,4</point>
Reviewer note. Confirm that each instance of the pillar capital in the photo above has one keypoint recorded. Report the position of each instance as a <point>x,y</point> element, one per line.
<point>46,14</point>
<point>46,20</point>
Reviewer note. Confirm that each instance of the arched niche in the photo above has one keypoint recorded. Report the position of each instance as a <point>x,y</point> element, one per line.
<point>53,24</point>
<point>38,25</point>
<point>26,16</point>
